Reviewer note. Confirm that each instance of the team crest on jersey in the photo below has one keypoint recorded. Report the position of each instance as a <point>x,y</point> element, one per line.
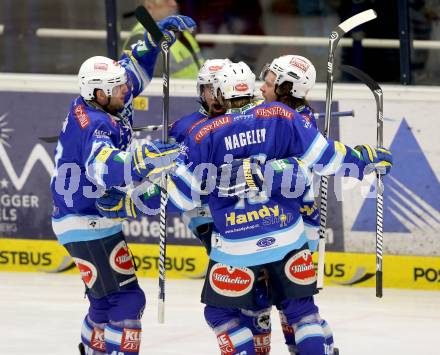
<point>231,281</point>
<point>300,64</point>
<point>81,116</point>
<point>306,120</point>
<point>87,271</point>
<point>212,126</point>
<point>120,259</point>
<point>300,269</point>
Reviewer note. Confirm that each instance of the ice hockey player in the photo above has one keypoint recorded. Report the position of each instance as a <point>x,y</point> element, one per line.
<point>93,155</point>
<point>289,84</point>
<point>115,205</point>
<point>257,230</point>
<point>241,242</point>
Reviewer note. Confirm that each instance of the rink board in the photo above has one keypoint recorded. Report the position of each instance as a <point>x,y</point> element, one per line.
<point>343,269</point>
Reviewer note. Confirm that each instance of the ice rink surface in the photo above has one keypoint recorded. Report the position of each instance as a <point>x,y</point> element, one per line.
<point>42,314</point>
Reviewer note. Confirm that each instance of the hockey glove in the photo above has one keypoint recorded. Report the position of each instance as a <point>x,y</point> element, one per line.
<point>240,177</point>
<point>377,159</point>
<point>248,175</point>
<point>151,45</point>
<point>151,160</point>
<point>177,23</point>
<point>117,204</point>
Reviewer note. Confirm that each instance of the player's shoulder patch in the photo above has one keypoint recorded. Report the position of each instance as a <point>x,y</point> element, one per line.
<point>211,126</point>
<point>81,116</point>
<point>274,110</point>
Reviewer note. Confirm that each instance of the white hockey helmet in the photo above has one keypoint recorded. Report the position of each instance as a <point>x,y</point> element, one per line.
<point>207,71</point>
<point>100,73</point>
<point>295,69</point>
<point>234,80</point>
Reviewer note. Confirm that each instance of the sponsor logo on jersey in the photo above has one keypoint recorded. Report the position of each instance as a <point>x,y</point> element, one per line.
<point>251,216</point>
<point>100,66</point>
<point>211,127</point>
<point>105,153</point>
<point>309,210</point>
<point>274,111</point>
<point>131,340</point>
<point>195,124</point>
<point>101,134</point>
<point>243,117</point>
<point>282,220</point>
<point>241,87</point>
<point>300,269</point>
<point>266,242</point>
<point>242,139</point>
<point>120,259</point>
<point>81,116</point>
<point>97,341</point>
<point>87,271</point>
<point>225,344</point>
<point>231,281</point>
<point>300,64</point>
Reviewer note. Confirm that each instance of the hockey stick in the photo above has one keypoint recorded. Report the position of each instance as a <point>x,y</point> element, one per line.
<point>153,128</point>
<point>378,96</point>
<point>335,36</point>
<point>143,16</point>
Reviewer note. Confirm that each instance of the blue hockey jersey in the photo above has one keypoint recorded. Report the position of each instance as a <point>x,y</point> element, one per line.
<point>261,229</point>
<point>92,143</point>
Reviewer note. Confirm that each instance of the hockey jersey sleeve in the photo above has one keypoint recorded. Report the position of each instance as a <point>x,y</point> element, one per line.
<point>325,156</point>
<point>191,181</point>
<point>139,63</point>
<point>105,164</point>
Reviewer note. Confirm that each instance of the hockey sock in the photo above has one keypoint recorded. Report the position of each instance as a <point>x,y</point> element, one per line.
<point>302,315</point>
<point>123,338</point>
<point>236,341</point>
<point>309,336</point>
<point>92,336</point>
<point>233,337</point>
<point>258,321</point>
<point>288,333</point>
<point>328,334</point>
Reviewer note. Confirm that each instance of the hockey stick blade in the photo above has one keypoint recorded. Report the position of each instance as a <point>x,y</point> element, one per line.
<point>360,75</point>
<point>145,19</point>
<point>357,20</point>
